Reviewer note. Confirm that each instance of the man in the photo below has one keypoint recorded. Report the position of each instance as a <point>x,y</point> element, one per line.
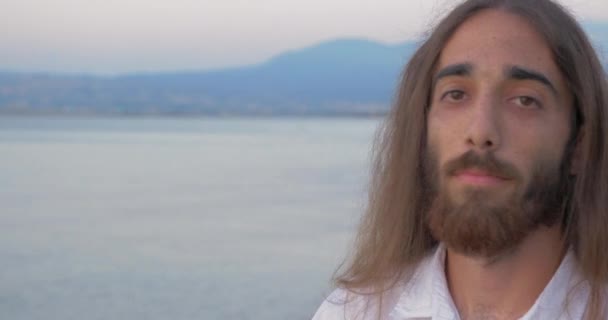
<point>489,198</point>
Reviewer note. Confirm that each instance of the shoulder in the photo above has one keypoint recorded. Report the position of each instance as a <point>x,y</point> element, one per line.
<point>410,292</point>
<point>361,304</point>
<point>343,304</point>
<point>332,307</point>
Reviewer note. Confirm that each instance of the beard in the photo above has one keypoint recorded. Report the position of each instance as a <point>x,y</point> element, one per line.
<point>486,223</point>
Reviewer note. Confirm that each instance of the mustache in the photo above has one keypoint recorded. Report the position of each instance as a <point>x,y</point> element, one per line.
<point>486,162</point>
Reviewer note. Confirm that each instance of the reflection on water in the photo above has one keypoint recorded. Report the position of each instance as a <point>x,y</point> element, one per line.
<point>176,218</point>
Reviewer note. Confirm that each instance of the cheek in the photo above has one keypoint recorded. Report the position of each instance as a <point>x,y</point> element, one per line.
<point>434,146</point>
<point>532,146</point>
<point>444,136</point>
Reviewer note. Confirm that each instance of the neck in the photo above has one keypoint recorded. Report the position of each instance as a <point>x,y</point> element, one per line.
<point>504,287</point>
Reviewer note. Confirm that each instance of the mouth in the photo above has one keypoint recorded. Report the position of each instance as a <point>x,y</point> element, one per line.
<point>478,177</point>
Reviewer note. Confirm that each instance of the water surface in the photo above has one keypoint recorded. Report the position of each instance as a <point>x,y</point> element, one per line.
<point>151,218</point>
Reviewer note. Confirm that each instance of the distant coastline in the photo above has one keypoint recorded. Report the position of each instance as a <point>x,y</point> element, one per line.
<point>144,115</point>
<point>346,78</point>
<point>340,78</point>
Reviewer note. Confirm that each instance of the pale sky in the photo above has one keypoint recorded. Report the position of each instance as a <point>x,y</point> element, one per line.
<point>120,36</point>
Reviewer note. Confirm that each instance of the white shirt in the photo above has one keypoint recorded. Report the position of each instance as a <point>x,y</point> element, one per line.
<point>426,296</point>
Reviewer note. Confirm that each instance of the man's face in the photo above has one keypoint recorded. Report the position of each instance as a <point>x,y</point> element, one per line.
<point>498,127</point>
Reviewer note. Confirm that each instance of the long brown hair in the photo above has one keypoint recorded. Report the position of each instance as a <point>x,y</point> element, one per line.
<point>393,236</point>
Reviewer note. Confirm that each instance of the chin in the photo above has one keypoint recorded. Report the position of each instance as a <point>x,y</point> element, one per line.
<point>481,197</point>
<point>480,224</point>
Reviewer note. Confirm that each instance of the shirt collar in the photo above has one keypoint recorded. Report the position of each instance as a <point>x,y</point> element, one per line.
<point>564,293</point>
<point>426,293</point>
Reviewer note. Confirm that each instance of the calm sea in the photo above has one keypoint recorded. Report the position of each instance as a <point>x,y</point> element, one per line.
<point>154,218</point>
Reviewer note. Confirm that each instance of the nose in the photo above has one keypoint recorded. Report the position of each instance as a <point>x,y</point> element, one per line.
<point>483,131</point>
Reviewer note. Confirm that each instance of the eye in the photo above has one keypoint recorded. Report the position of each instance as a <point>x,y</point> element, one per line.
<point>453,95</point>
<point>527,102</point>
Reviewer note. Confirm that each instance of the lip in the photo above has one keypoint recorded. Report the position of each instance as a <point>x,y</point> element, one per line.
<point>479,178</point>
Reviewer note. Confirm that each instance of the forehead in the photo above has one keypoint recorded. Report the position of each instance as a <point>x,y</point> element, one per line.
<point>493,39</point>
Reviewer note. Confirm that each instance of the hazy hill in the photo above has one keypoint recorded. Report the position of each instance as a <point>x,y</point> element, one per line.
<point>349,76</point>
<point>338,77</point>
<point>598,32</point>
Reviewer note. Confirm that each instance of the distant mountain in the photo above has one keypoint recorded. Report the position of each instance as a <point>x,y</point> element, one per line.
<point>348,76</point>
<point>598,32</point>
<point>341,77</point>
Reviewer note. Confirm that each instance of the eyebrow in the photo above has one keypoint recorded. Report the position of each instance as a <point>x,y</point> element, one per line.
<point>461,69</point>
<point>511,72</point>
<point>519,73</point>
